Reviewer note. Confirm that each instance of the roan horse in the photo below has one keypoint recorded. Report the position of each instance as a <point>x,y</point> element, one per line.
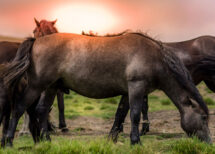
<point>198,56</point>
<point>8,52</point>
<point>131,65</point>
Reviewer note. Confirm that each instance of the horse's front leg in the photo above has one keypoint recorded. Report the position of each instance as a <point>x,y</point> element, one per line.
<point>145,107</point>
<point>136,98</point>
<point>62,123</point>
<point>120,115</point>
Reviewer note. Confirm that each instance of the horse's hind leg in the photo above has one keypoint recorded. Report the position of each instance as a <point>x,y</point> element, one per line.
<point>145,126</point>
<point>121,113</point>
<point>18,109</point>
<point>5,127</point>
<point>136,98</point>
<point>33,122</point>
<point>43,108</point>
<point>62,123</point>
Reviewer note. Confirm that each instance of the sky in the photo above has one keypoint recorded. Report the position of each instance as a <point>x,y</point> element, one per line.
<point>166,20</point>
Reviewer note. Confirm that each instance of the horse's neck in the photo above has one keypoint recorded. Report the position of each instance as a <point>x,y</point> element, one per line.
<point>175,92</point>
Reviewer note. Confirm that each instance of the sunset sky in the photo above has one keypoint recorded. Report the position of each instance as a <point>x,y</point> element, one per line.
<point>166,20</point>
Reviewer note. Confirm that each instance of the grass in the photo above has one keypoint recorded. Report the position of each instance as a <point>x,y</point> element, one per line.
<point>209,101</point>
<point>76,105</point>
<point>93,145</point>
<point>165,102</point>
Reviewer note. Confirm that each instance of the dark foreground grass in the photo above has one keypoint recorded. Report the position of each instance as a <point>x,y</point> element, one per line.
<point>94,145</point>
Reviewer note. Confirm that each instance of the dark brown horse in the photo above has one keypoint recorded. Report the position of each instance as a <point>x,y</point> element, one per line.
<point>198,55</point>
<point>8,51</point>
<point>132,65</point>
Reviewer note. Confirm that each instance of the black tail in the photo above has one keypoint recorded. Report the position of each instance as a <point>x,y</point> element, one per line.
<point>182,75</point>
<point>15,70</point>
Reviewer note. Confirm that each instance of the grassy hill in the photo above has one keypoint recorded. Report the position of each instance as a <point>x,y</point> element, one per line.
<point>12,39</point>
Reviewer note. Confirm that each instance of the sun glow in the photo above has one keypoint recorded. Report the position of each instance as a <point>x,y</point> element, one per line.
<point>76,18</point>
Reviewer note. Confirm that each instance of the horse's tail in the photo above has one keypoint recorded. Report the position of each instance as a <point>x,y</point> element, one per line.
<point>205,65</point>
<point>15,70</point>
<point>183,77</point>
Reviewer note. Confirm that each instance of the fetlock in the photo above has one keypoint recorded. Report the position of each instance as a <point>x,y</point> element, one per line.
<point>145,128</point>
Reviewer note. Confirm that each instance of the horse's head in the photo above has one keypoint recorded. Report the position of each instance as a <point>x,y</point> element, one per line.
<point>44,27</point>
<point>194,120</point>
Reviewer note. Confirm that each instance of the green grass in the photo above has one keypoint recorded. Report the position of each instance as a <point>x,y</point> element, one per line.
<point>209,101</point>
<point>88,108</point>
<point>96,145</point>
<point>166,102</point>
<point>76,105</point>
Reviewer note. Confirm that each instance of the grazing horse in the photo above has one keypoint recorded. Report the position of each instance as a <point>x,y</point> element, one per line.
<point>8,52</point>
<point>198,55</point>
<point>45,28</point>
<point>131,64</point>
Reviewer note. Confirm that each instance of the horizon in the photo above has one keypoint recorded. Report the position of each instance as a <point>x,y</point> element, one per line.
<point>169,20</point>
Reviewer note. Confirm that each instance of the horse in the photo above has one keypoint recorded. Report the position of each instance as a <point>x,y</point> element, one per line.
<point>132,65</point>
<point>46,28</point>
<point>198,56</point>
<point>8,52</point>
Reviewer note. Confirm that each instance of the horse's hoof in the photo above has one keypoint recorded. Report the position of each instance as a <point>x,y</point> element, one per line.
<point>51,127</point>
<point>9,144</point>
<point>113,135</point>
<point>64,130</point>
<point>2,144</point>
<point>135,139</point>
<point>120,128</point>
<point>145,129</point>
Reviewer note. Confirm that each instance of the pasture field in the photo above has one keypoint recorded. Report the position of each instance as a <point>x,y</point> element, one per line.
<point>89,121</point>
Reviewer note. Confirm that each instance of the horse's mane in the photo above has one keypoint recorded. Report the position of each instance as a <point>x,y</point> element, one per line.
<point>92,34</point>
<point>182,75</point>
<point>143,34</point>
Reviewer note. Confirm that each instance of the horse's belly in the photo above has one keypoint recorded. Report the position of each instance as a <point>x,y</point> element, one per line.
<point>97,88</point>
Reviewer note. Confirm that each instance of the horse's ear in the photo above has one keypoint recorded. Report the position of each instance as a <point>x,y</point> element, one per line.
<point>53,22</point>
<point>37,22</point>
<point>193,102</point>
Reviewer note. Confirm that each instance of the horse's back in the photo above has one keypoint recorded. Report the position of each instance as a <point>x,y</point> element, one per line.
<point>94,65</point>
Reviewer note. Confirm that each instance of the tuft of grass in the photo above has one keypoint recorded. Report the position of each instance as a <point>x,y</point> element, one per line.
<point>191,146</point>
<point>72,116</point>
<point>68,96</point>
<point>112,100</point>
<point>165,102</point>
<point>88,108</point>
<point>208,90</point>
<point>209,101</point>
<point>105,107</point>
<point>154,97</point>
